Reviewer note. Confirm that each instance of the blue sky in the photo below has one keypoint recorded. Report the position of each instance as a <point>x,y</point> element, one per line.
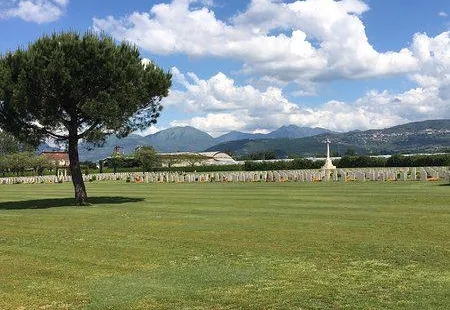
<point>257,65</point>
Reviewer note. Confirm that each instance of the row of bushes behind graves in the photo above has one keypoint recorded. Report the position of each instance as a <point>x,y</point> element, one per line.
<point>297,163</point>
<point>303,163</point>
<point>353,162</point>
<point>393,161</point>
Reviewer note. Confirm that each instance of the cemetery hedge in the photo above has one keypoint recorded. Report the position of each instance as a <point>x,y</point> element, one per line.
<point>396,160</point>
<point>418,160</point>
<point>209,168</point>
<point>298,163</point>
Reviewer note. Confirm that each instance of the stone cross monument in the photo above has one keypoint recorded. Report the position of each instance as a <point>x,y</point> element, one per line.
<point>328,163</point>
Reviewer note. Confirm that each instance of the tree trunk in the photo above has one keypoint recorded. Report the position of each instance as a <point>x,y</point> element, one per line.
<point>75,170</point>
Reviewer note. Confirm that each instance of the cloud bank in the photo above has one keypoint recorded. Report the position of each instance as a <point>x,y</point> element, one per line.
<point>303,41</point>
<point>37,11</point>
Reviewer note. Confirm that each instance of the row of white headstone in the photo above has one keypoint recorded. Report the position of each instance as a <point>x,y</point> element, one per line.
<point>345,175</point>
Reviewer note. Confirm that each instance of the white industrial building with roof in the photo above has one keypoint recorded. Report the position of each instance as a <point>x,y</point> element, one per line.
<point>183,159</point>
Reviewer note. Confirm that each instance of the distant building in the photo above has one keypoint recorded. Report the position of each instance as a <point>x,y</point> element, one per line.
<point>183,159</point>
<point>58,158</point>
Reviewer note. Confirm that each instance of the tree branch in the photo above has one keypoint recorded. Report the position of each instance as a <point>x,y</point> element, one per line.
<point>54,135</point>
<point>87,131</point>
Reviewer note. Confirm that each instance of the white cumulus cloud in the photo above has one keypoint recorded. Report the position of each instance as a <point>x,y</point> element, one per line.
<point>38,11</point>
<point>433,55</point>
<point>302,41</point>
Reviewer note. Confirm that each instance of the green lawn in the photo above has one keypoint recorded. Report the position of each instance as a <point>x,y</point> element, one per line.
<point>226,246</point>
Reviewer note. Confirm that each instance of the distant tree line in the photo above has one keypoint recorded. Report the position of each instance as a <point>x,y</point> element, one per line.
<point>147,159</point>
<point>20,163</point>
<point>353,162</point>
<point>297,163</point>
<point>265,155</point>
<point>17,158</point>
<point>396,160</point>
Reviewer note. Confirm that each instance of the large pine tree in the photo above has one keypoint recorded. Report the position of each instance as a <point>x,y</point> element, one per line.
<point>68,87</point>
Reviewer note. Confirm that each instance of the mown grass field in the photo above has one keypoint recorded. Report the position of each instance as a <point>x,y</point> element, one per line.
<point>226,246</point>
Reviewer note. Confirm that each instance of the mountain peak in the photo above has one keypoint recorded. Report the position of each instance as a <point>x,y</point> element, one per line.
<point>294,131</point>
<point>180,131</point>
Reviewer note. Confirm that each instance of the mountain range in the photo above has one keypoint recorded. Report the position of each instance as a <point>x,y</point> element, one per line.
<point>419,137</point>
<point>425,136</point>
<point>187,139</point>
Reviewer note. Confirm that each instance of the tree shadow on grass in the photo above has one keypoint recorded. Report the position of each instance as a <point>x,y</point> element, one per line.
<point>446,184</point>
<point>63,202</point>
